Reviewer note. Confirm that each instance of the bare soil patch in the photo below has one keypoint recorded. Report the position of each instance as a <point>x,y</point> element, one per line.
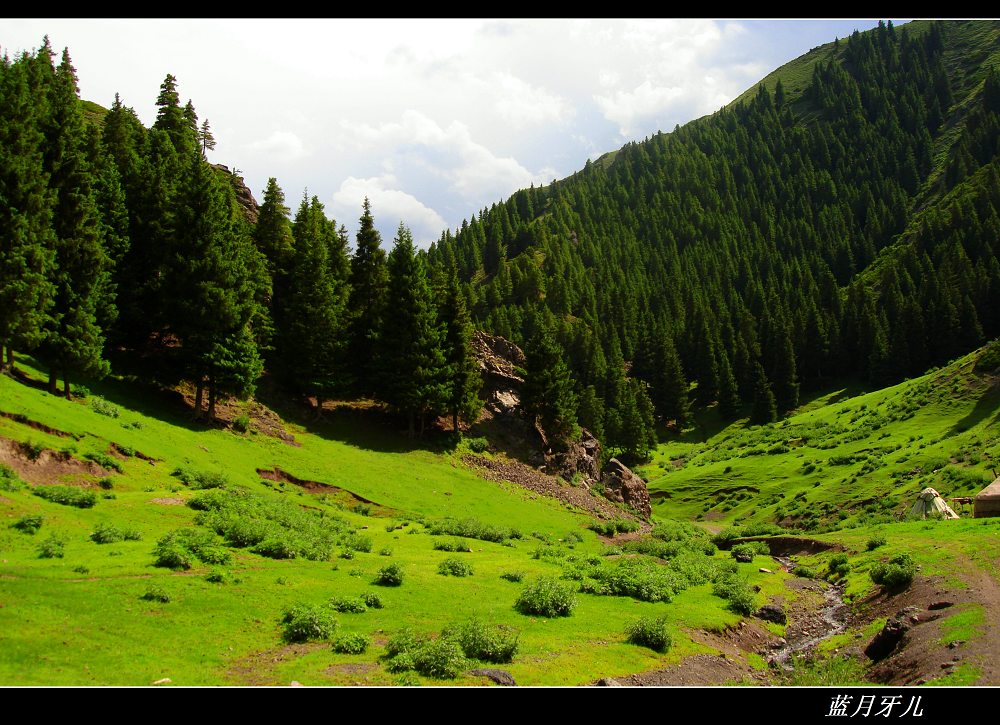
<point>257,668</point>
<point>521,474</point>
<point>51,467</point>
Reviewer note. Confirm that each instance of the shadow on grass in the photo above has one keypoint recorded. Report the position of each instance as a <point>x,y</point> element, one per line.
<point>369,427</point>
<point>987,404</point>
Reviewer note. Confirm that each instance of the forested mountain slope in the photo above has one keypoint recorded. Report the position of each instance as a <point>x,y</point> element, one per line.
<point>841,220</point>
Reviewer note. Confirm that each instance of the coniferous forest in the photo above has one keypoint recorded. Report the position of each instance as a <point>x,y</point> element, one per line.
<point>845,228</point>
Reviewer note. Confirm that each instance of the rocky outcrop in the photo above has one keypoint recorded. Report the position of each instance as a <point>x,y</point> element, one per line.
<point>498,361</point>
<point>243,194</point>
<point>886,641</point>
<point>621,485</point>
<point>581,463</point>
<point>772,613</point>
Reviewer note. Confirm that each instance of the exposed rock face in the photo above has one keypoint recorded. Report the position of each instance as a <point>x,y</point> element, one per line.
<point>501,677</point>
<point>243,194</point>
<point>497,360</point>
<point>623,486</point>
<point>582,461</point>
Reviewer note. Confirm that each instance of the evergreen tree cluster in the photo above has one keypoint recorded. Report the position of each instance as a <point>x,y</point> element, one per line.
<point>124,245</point>
<point>846,228</point>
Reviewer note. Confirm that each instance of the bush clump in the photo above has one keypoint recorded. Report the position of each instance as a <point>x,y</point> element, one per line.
<point>895,575</point>
<point>472,528</point>
<point>68,496</point>
<point>10,481</point>
<point>353,643</point>
<point>372,600</point>
<point>649,632</point>
<point>746,552</point>
<point>102,407</point>
<point>512,576</point>
<point>306,622</point>
<point>614,526</point>
<point>241,423</point>
<point>875,542</point>
<point>440,658</point>
<point>481,641</point>
<point>546,597</point>
<point>52,547</point>
<point>478,445</point>
<point>181,548</point>
<point>29,524</point>
<point>454,545</point>
<point>804,571</point>
<point>737,591</point>
<point>104,461</point>
<point>354,605</point>
<point>838,566</point>
<point>156,594</point>
<point>106,533</point>
<point>200,479</point>
<point>390,575</point>
<point>453,566</point>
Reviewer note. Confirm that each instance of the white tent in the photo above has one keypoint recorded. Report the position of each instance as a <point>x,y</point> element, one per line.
<point>930,503</point>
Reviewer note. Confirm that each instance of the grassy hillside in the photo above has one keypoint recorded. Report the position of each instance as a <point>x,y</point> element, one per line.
<point>80,618</point>
<point>845,458</point>
<point>846,464</point>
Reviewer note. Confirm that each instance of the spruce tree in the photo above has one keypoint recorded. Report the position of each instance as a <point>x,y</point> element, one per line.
<point>547,396</point>
<point>73,341</point>
<point>312,313</point>
<point>369,279</point>
<point>26,237</point>
<point>464,380</point>
<point>413,371</point>
<point>764,408</point>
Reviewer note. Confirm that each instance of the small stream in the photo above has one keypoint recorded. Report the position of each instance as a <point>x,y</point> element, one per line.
<point>801,637</point>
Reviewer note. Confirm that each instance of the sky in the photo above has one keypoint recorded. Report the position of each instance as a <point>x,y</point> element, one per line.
<point>432,119</point>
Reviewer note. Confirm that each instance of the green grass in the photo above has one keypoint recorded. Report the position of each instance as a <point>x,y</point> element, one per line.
<point>80,619</point>
<point>964,625</point>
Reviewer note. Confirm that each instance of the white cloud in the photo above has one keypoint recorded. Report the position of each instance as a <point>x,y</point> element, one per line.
<point>522,104</point>
<point>280,144</point>
<point>449,154</point>
<point>390,206</point>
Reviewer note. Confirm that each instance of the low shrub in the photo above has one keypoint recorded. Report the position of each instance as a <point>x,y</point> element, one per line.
<point>746,552</point>
<point>614,526</point>
<point>440,658</point>
<point>241,423</point>
<point>385,551</point>
<point>546,597</point>
<point>181,548</point>
<point>306,622</point>
<point>405,641</point>
<point>31,450</point>
<point>804,571</point>
<point>67,496</point>
<point>52,547</point>
<point>838,566</point>
<point>353,643</point>
<point>354,605</point>
<point>455,545</point>
<point>104,461</point>
<point>29,524</point>
<point>102,407</point>
<point>106,483</point>
<point>200,479</point>
<point>454,567</point>
<point>156,594</point>
<point>478,445</point>
<point>481,641</point>
<point>9,480</point>
<point>737,591</point>
<point>217,576</point>
<point>875,542</point>
<point>359,542</point>
<point>472,528</point>
<point>512,576</point>
<point>897,574</point>
<point>363,509</point>
<point>649,632</point>
<point>372,600</point>
<point>106,533</point>
<point>390,575</point>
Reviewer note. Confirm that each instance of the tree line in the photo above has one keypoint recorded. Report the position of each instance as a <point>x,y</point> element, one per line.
<point>123,246</point>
